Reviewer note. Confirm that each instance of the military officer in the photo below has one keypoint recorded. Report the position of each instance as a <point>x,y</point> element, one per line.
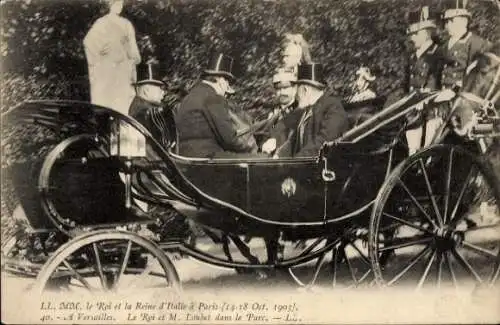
<point>204,124</point>
<point>423,73</point>
<point>423,70</point>
<point>279,123</point>
<point>463,46</point>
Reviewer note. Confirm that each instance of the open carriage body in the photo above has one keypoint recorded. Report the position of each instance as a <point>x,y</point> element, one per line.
<point>359,187</point>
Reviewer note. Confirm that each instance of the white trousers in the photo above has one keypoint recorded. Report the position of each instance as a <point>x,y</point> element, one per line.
<point>414,136</point>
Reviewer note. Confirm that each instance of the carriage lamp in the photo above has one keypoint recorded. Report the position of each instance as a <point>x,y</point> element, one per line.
<point>126,141</point>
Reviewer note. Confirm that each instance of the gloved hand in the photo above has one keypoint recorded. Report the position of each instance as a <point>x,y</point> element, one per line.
<point>269,146</point>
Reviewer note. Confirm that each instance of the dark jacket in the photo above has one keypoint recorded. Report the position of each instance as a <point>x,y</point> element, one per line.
<point>456,59</point>
<point>157,119</point>
<point>204,125</point>
<point>324,121</point>
<point>424,71</point>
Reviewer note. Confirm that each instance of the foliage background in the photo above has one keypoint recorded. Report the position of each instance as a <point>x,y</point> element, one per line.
<point>42,54</point>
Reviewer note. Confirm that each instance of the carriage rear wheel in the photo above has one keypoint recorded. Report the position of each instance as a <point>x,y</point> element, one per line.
<point>108,261</point>
<point>441,206</point>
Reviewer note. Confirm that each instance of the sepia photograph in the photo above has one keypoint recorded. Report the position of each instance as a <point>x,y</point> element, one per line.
<point>250,161</point>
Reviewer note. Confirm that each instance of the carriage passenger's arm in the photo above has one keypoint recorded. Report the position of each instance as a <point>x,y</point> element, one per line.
<point>217,115</point>
<point>334,122</point>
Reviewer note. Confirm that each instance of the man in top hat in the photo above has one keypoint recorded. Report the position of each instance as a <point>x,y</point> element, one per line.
<point>323,117</point>
<point>203,120</point>
<point>463,46</point>
<point>423,72</point>
<point>147,107</point>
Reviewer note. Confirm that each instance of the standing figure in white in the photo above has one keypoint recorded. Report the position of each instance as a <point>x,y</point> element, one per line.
<point>112,55</point>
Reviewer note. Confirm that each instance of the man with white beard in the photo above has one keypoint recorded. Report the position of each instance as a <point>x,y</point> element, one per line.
<point>322,116</point>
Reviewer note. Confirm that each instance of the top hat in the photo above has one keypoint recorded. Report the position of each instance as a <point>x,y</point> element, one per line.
<point>311,74</point>
<point>284,77</point>
<point>148,74</point>
<point>220,65</point>
<point>421,19</point>
<point>455,8</point>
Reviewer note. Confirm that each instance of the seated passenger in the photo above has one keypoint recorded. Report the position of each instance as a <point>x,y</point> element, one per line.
<point>147,107</point>
<point>203,120</point>
<point>323,117</point>
<point>279,121</point>
<point>361,87</point>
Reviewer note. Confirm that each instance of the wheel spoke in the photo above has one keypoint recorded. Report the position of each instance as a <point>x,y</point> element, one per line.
<point>405,242</point>
<point>439,271</point>
<point>479,250</point>
<point>335,259</point>
<point>412,262</point>
<point>453,219</point>
<point>351,270</point>
<point>417,204</point>
<point>496,271</point>
<point>450,269</point>
<point>407,223</point>
<point>363,277</point>
<point>78,276</point>
<point>447,187</point>
<point>363,257</point>
<point>99,266</point>
<point>466,265</point>
<point>430,193</point>
<point>426,271</point>
<point>124,262</point>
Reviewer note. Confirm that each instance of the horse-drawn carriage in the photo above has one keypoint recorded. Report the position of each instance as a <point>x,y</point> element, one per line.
<point>429,218</point>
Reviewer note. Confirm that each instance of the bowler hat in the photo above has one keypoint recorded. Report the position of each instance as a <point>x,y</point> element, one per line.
<point>455,8</point>
<point>311,74</point>
<point>148,73</point>
<point>421,19</point>
<point>220,65</point>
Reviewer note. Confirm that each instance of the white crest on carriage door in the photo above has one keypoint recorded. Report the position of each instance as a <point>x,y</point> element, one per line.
<point>288,187</point>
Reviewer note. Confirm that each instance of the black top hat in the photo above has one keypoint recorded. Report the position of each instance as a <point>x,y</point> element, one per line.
<point>311,74</point>
<point>148,73</point>
<point>455,8</point>
<point>421,19</point>
<point>220,65</point>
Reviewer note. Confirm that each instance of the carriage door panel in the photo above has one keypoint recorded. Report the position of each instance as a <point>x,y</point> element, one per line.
<point>287,191</point>
<point>226,181</point>
<point>358,178</point>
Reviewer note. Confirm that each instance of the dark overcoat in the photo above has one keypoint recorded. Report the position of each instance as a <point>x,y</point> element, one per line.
<point>204,126</point>
<point>326,120</point>
<point>157,119</point>
<point>424,71</point>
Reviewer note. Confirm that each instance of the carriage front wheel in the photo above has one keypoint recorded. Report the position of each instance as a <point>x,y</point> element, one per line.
<point>108,261</point>
<point>436,221</point>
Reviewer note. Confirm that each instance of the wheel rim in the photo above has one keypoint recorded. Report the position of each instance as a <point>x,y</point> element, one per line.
<point>442,208</point>
<point>107,262</point>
